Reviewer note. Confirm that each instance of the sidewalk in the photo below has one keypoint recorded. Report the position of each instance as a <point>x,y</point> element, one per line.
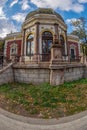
<point>9,121</point>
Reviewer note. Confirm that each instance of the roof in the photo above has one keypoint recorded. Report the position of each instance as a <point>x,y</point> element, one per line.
<point>44,11</point>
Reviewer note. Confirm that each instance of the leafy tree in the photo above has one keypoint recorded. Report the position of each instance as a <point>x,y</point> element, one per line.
<point>1,46</point>
<point>80,29</point>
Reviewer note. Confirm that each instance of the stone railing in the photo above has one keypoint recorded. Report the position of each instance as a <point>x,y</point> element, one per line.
<point>6,74</point>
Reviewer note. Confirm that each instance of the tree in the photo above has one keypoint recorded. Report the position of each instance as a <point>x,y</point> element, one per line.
<point>80,29</point>
<point>1,46</point>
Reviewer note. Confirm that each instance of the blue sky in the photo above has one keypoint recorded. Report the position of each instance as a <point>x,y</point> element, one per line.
<point>13,12</point>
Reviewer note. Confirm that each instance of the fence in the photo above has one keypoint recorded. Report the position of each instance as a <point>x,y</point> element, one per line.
<point>35,58</point>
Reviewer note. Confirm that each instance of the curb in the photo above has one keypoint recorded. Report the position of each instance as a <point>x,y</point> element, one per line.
<point>36,121</point>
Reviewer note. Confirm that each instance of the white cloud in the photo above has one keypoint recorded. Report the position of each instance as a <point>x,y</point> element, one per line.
<point>19,17</point>
<point>6,27</point>
<point>13,3</point>
<point>2,2</point>
<point>65,5</point>
<point>68,21</point>
<point>1,11</point>
<point>2,15</point>
<point>82,1</point>
<point>24,4</point>
<point>78,8</point>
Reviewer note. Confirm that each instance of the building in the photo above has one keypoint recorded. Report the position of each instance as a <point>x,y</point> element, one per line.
<point>39,30</point>
<point>73,47</point>
<point>45,51</point>
<point>12,46</point>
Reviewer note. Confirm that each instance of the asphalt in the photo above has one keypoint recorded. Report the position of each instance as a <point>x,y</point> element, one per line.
<point>10,121</point>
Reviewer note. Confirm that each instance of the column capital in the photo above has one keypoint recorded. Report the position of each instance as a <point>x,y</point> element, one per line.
<point>37,23</point>
<point>56,24</point>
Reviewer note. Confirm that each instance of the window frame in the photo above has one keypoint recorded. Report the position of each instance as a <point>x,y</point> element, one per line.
<point>45,39</point>
<point>31,40</point>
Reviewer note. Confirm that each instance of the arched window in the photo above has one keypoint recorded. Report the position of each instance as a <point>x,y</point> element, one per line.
<point>30,45</point>
<point>13,49</point>
<point>62,42</point>
<point>47,39</point>
<point>72,52</point>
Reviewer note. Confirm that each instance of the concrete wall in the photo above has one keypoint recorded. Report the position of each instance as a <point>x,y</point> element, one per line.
<point>56,76</point>
<point>36,74</point>
<point>6,74</point>
<point>32,75</point>
<point>74,73</point>
<point>63,73</point>
<point>85,72</point>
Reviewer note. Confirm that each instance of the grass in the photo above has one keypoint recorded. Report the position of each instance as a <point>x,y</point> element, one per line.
<point>44,101</point>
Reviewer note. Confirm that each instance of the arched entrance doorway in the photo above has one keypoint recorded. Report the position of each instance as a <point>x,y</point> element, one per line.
<point>47,40</point>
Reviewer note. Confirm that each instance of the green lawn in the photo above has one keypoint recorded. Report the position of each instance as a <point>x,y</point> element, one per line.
<point>44,101</point>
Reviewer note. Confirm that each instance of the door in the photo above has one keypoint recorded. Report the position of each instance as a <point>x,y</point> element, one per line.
<point>47,40</point>
<point>72,54</point>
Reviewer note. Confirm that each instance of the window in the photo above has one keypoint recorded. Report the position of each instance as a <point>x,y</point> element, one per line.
<point>47,40</point>
<point>13,49</point>
<point>72,52</point>
<point>30,45</point>
<point>62,42</point>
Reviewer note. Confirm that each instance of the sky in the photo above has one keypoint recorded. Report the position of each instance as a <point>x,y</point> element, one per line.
<point>13,12</point>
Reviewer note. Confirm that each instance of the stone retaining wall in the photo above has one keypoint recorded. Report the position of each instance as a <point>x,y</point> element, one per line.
<point>85,72</point>
<point>32,75</point>
<point>6,74</point>
<point>62,73</point>
<point>74,73</point>
<point>55,74</point>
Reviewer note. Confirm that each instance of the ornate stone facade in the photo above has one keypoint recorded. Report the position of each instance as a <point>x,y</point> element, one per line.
<point>37,36</point>
<point>45,50</point>
<point>39,23</point>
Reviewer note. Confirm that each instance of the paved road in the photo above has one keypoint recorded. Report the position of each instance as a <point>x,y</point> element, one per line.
<point>11,122</point>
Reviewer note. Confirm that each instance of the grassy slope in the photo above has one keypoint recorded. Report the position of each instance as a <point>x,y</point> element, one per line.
<point>44,101</point>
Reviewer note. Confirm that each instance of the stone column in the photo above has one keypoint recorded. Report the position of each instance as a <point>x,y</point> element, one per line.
<point>57,71</point>
<point>56,30</point>
<point>56,52</point>
<point>57,75</point>
<point>67,47</point>
<point>36,57</point>
<point>66,43</point>
<point>23,46</point>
